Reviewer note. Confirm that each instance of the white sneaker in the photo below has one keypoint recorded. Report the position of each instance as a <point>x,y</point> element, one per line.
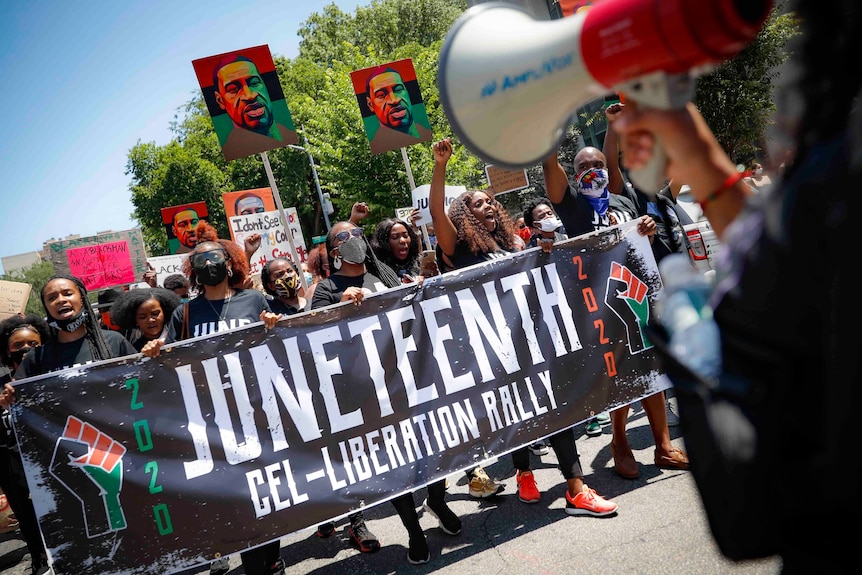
<point>220,566</point>
<point>540,448</point>
<point>672,417</point>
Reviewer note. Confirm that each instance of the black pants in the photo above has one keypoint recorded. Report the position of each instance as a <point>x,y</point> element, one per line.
<point>259,561</point>
<point>406,506</point>
<point>563,444</point>
<point>14,485</point>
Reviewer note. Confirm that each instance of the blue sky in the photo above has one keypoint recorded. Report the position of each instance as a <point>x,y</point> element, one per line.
<point>87,80</point>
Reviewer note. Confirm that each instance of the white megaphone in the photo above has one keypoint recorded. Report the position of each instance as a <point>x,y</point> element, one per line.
<point>510,85</point>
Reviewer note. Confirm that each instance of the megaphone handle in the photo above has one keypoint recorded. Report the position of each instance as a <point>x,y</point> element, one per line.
<point>656,90</point>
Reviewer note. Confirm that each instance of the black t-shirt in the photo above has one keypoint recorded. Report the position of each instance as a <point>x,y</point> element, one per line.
<point>54,356</point>
<point>463,257</point>
<point>329,291</point>
<point>212,316</point>
<point>278,306</point>
<point>579,217</point>
<point>670,236</point>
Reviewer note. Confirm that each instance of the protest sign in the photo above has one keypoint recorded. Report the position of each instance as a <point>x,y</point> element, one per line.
<point>13,298</point>
<point>502,180</point>
<point>167,265</point>
<point>274,242</point>
<point>102,261</point>
<point>420,200</point>
<point>229,441</point>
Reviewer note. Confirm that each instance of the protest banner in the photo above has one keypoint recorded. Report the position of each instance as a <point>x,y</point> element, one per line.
<point>101,261</point>
<point>13,298</point>
<point>229,441</point>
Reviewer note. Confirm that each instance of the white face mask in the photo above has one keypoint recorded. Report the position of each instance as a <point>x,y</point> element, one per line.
<point>758,171</point>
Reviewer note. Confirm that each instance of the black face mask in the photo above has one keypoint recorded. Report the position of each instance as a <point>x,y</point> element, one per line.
<point>71,324</point>
<point>212,274</point>
<point>18,356</point>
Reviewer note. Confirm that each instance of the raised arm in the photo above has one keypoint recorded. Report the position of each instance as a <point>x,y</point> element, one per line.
<point>444,229</point>
<point>611,150</point>
<point>556,180</point>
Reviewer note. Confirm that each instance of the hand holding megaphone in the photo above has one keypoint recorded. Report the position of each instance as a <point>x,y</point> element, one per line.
<point>510,85</point>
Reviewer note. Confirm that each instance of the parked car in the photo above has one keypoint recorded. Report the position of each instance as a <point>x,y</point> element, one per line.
<point>704,244</point>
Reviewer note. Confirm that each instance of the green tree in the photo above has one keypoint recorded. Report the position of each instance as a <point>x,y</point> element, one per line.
<point>37,276</point>
<point>736,99</point>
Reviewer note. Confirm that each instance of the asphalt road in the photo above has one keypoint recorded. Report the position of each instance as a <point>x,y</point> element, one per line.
<point>660,527</point>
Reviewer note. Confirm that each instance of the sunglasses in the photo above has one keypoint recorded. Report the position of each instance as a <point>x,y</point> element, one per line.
<point>346,234</point>
<point>199,260</point>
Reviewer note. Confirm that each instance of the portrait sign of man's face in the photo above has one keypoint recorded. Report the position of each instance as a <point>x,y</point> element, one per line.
<point>250,204</point>
<point>185,222</point>
<point>242,93</point>
<point>390,102</point>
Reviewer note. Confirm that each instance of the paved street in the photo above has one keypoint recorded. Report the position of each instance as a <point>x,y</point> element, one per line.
<point>660,528</point>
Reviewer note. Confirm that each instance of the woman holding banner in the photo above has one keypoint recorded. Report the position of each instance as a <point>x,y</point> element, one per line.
<point>478,229</point>
<point>358,272</point>
<point>18,335</point>
<point>218,268</point>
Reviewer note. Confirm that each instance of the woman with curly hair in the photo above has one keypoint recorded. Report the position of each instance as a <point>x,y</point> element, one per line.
<point>396,244</point>
<point>219,269</point>
<point>146,310</point>
<point>476,228</point>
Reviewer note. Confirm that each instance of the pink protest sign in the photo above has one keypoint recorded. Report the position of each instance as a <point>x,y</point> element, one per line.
<point>102,265</point>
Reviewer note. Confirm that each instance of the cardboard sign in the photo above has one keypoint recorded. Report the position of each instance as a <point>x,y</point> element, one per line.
<point>502,180</point>
<point>102,261</point>
<point>13,298</point>
<point>420,200</point>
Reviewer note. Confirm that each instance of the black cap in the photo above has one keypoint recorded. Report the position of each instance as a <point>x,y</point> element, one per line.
<point>108,296</point>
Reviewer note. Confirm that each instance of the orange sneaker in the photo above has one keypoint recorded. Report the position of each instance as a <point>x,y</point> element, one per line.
<point>527,490</point>
<point>588,502</point>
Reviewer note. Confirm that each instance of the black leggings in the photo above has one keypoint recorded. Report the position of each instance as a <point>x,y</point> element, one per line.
<point>259,561</point>
<point>14,485</point>
<point>563,444</point>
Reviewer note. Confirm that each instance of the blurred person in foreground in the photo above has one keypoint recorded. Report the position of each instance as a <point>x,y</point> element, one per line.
<point>785,288</point>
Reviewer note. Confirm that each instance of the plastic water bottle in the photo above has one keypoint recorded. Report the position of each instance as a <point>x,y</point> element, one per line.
<point>685,313</point>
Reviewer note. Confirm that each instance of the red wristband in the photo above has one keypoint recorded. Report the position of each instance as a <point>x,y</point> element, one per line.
<point>728,183</point>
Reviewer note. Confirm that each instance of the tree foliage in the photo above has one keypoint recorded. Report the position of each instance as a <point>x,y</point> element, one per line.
<point>736,98</point>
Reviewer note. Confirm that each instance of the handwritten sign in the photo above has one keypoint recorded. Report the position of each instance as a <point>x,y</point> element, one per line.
<point>274,243</point>
<point>102,261</point>
<point>13,298</point>
<point>102,265</point>
<point>167,265</point>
